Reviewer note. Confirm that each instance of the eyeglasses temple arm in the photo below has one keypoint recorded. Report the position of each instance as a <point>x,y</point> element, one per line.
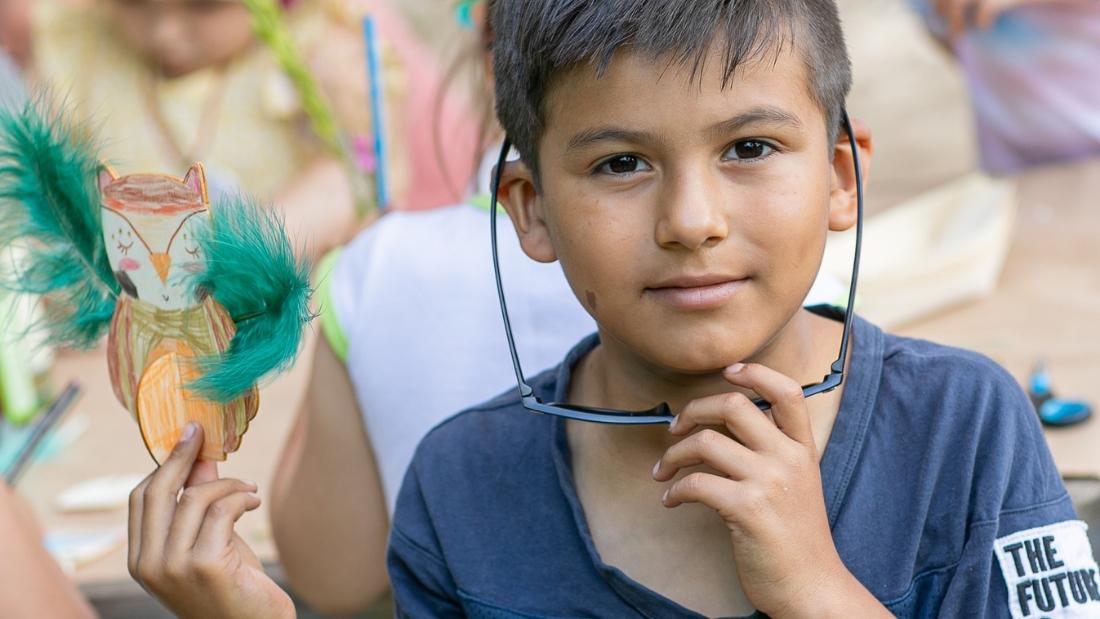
<point>524,389</point>
<point>838,365</point>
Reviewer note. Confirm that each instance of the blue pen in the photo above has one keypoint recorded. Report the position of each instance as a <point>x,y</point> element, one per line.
<point>374,80</point>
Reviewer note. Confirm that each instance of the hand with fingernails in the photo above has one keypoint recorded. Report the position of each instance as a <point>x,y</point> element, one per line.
<point>183,548</point>
<point>767,488</point>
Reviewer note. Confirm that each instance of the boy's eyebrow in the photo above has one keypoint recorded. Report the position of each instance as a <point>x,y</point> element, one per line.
<point>767,114</point>
<point>764,114</point>
<point>589,137</point>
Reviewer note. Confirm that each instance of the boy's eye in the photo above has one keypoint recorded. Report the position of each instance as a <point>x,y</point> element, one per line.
<point>748,150</point>
<point>623,164</point>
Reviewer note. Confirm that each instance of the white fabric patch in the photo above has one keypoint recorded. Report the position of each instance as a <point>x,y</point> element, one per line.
<point>1050,572</point>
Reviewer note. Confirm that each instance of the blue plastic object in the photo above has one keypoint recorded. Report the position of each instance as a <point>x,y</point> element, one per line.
<point>1054,411</point>
<point>1059,412</point>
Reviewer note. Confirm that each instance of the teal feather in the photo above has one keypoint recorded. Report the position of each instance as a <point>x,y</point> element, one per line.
<point>50,207</point>
<point>251,270</point>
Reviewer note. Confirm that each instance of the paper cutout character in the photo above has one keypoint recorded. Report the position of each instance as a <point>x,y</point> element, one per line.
<point>151,226</point>
<point>201,301</point>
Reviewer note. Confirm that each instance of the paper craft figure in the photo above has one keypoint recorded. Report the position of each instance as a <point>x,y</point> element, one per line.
<point>151,228</point>
<point>200,300</point>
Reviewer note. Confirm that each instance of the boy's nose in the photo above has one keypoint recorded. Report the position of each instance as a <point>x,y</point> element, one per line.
<point>691,216</point>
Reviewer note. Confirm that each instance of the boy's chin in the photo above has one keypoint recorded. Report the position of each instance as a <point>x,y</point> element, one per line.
<point>695,353</point>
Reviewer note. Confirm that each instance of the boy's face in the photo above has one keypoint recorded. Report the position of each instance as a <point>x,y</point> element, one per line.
<point>182,36</point>
<point>689,219</point>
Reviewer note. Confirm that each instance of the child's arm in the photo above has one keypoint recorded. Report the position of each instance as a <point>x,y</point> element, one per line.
<point>31,584</point>
<point>182,547</point>
<point>331,543</point>
<point>318,206</point>
<point>769,493</point>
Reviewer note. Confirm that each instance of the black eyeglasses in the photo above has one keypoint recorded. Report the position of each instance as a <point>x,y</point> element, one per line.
<point>661,413</point>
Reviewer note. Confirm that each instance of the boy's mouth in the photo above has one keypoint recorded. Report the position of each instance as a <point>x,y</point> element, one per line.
<point>697,292</point>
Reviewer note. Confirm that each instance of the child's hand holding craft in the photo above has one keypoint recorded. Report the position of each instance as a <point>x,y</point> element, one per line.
<point>766,486</point>
<point>183,548</point>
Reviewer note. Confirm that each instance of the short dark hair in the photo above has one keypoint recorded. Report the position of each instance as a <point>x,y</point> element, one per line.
<point>536,40</point>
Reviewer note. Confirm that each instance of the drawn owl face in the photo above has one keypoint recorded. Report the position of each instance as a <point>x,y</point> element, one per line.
<point>150,223</point>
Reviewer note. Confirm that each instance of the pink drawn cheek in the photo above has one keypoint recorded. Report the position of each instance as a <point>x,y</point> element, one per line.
<point>129,264</point>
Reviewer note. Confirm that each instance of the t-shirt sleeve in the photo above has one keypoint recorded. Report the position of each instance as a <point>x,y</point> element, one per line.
<point>421,581</point>
<point>331,327</point>
<point>340,283</point>
<point>1029,556</point>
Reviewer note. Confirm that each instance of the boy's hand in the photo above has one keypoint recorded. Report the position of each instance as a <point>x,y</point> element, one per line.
<point>768,491</point>
<point>183,548</point>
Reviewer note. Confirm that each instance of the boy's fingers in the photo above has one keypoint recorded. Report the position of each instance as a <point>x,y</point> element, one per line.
<point>708,447</point>
<point>711,490</point>
<point>784,394</point>
<point>159,497</point>
<point>221,516</point>
<point>192,509</point>
<point>734,411</point>
<point>133,525</point>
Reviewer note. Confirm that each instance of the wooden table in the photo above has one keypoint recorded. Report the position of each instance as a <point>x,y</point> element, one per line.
<point>1047,304</point>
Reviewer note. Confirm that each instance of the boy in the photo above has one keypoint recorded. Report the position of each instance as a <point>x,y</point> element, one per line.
<point>681,160</point>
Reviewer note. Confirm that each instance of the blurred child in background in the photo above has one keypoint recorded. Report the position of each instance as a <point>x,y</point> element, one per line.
<point>412,329</point>
<point>1031,69</point>
<point>170,82</point>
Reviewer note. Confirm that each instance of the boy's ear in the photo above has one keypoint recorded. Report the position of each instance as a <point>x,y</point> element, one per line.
<point>843,200</point>
<point>521,201</point>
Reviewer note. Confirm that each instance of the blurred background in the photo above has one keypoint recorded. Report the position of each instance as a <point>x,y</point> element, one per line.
<point>981,233</point>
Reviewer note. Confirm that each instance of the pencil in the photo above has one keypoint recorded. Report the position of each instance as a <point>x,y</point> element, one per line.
<point>56,410</point>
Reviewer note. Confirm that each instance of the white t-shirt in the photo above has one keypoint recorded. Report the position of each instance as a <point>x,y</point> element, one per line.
<point>416,299</point>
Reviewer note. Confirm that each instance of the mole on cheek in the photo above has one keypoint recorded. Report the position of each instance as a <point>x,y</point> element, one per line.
<point>590,297</point>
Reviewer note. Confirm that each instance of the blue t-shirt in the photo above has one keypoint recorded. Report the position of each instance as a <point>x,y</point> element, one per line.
<point>942,498</point>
